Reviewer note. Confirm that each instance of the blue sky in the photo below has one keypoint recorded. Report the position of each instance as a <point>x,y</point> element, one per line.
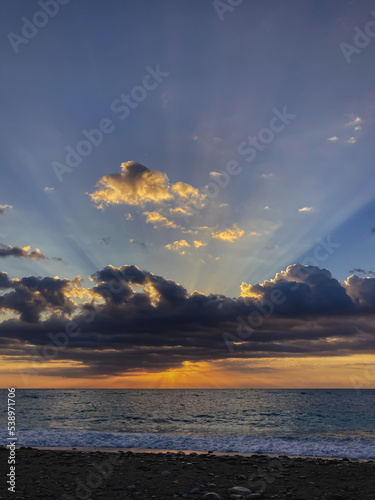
<point>225,78</point>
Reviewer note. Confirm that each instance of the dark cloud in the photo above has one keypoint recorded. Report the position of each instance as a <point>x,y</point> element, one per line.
<point>105,241</point>
<point>5,282</point>
<point>359,270</point>
<point>305,290</point>
<point>24,252</point>
<point>9,251</point>
<point>32,296</point>
<point>304,311</point>
<point>120,274</point>
<point>362,292</point>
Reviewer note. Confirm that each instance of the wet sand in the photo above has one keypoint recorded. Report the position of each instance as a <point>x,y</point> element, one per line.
<point>102,474</point>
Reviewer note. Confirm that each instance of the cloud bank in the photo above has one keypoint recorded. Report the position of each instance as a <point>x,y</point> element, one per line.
<point>137,321</point>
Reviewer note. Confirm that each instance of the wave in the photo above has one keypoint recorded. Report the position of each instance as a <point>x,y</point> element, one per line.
<point>318,445</point>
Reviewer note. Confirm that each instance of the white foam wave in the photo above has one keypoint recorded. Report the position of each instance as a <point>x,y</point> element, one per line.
<point>323,446</point>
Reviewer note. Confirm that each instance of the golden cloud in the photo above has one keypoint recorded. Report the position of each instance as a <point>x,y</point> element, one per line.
<point>138,185</point>
<point>179,211</point>
<point>158,220</point>
<point>230,234</point>
<point>78,291</point>
<point>178,246</point>
<point>198,244</point>
<point>249,291</point>
<point>306,210</point>
<point>135,185</point>
<point>185,190</point>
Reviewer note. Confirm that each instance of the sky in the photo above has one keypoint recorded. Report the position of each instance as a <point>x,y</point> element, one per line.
<point>187,194</point>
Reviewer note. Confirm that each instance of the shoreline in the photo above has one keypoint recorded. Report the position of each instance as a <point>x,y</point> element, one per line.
<point>94,449</point>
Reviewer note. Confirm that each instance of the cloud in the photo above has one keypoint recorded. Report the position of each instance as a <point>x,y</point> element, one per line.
<point>316,291</point>
<point>23,252</point>
<point>31,296</point>
<point>266,207</point>
<point>308,210</point>
<point>180,212</point>
<point>142,244</point>
<point>268,176</point>
<point>4,207</point>
<point>361,291</point>
<point>189,231</point>
<point>135,185</point>
<point>128,217</point>
<point>185,190</point>
<point>303,311</point>
<point>355,122</point>
<point>198,244</point>
<point>210,258</point>
<point>359,270</point>
<point>159,220</point>
<point>230,234</point>
<point>9,251</point>
<point>49,189</point>
<point>178,246</point>
<point>138,185</point>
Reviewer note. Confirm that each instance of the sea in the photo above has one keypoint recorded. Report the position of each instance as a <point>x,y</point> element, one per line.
<point>321,423</point>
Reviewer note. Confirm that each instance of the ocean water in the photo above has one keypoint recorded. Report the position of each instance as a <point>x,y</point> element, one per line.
<point>332,423</point>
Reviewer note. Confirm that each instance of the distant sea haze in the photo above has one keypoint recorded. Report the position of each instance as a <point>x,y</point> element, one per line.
<point>314,422</point>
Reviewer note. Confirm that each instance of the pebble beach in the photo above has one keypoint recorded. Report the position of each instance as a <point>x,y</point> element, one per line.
<point>81,474</point>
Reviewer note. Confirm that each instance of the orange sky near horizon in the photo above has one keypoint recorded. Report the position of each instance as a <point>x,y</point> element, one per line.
<point>351,372</point>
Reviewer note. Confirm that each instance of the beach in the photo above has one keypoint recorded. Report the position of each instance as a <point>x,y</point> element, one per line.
<point>63,474</point>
